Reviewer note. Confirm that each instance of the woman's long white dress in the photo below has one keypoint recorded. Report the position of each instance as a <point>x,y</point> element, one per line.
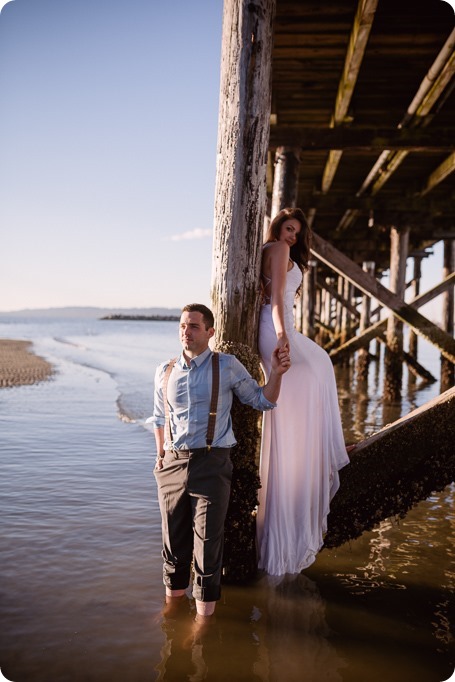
<point>302,449</point>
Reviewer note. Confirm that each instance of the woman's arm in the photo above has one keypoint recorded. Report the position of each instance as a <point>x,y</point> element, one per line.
<point>279,259</point>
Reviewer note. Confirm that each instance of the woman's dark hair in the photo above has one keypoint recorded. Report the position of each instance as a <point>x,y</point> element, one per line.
<point>300,252</point>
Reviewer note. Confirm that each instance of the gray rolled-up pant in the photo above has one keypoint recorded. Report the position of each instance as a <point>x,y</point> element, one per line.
<point>193,493</point>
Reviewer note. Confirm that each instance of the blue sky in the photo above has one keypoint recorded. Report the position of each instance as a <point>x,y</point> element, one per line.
<point>108,129</point>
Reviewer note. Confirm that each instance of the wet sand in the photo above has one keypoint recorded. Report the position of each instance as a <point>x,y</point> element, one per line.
<point>20,366</point>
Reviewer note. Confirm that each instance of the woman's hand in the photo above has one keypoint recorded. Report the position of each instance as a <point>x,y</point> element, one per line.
<point>282,342</point>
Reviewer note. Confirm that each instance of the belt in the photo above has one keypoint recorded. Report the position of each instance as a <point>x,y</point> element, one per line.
<point>199,451</point>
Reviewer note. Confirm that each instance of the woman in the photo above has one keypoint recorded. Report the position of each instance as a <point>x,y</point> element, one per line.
<point>302,443</point>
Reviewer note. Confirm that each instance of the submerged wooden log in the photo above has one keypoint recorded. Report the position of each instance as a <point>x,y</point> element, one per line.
<point>394,469</point>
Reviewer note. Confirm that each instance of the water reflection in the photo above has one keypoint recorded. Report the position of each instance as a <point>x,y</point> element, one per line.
<point>293,633</point>
<point>272,630</point>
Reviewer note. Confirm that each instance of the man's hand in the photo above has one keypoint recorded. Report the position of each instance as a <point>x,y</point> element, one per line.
<point>281,360</point>
<point>159,462</point>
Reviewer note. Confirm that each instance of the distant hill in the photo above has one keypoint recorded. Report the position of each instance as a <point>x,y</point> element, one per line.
<point>91,312</point>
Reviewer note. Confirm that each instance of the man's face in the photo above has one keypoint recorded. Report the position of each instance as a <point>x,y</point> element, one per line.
<point>194,337</point>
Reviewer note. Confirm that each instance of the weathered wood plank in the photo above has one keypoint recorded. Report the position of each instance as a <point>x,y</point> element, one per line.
<point>394,469</point>
<point>358,39</point>
<point>369,285</point>
<point>439,174</point>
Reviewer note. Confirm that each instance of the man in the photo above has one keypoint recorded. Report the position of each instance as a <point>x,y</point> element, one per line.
<point>194,478</point>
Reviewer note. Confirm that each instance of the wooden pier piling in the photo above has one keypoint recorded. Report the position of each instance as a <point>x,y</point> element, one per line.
<point>240,204</point>
<point>399,240</point>
<point>285,179</point>
<point>447,367</point>
<point>363,355</point>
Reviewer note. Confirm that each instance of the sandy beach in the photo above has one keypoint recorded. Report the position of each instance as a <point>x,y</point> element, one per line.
<point>19,365</point>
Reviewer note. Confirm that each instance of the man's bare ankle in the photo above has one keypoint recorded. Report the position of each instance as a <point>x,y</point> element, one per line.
<point>205,608</point>
<point>173,594</point>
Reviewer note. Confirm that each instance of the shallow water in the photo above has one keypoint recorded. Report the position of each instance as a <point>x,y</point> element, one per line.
<point>81,592</point>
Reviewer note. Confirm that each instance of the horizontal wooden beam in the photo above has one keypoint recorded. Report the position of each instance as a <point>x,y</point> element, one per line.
<point>370,286</point>
<point>430,139</point>
<point>338,201</point>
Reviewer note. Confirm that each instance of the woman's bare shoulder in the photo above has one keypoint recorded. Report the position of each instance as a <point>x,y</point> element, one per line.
<point>276,247</point>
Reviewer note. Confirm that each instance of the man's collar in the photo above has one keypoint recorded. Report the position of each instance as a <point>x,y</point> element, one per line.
<point>198,360</point>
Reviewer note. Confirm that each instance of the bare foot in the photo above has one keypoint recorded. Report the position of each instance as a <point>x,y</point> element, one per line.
<point>200,627</point>
<point>173,606</point>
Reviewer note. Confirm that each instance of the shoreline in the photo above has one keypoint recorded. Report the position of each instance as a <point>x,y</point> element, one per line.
<point>19,366</point>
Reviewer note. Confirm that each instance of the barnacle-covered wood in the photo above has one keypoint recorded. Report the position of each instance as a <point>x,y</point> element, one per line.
<point>239,562</point>
<point>395,469</point>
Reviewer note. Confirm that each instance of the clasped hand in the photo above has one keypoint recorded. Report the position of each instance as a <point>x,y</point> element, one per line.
<point>281,360</point>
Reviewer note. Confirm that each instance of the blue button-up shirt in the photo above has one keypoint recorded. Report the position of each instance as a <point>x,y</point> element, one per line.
<point>189,392</point>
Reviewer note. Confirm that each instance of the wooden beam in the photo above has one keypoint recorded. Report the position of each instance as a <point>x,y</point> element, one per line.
<point>339,201</point>
<point>369,285</point>
<point>439,174</point>
<point>363,139</point>
<point>376,329</point>
<point>395,469</point>
<point>356,49</point>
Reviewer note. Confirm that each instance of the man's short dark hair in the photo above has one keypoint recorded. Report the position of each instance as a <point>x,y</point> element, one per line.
<point>207,314</point>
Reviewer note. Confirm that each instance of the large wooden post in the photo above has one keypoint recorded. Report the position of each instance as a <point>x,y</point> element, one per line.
<point>399,240</point>
<point>240,194</point>
<point>240,205</point>
<point>447,367</point>
<point>286,178</point>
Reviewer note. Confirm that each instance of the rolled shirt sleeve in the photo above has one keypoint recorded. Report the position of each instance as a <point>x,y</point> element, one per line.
<point>157,420</point>
<point>246,388</point>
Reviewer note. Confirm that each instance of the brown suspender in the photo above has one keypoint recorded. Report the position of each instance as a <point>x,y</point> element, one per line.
<point>213,401</point>
<point>167,423</point>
